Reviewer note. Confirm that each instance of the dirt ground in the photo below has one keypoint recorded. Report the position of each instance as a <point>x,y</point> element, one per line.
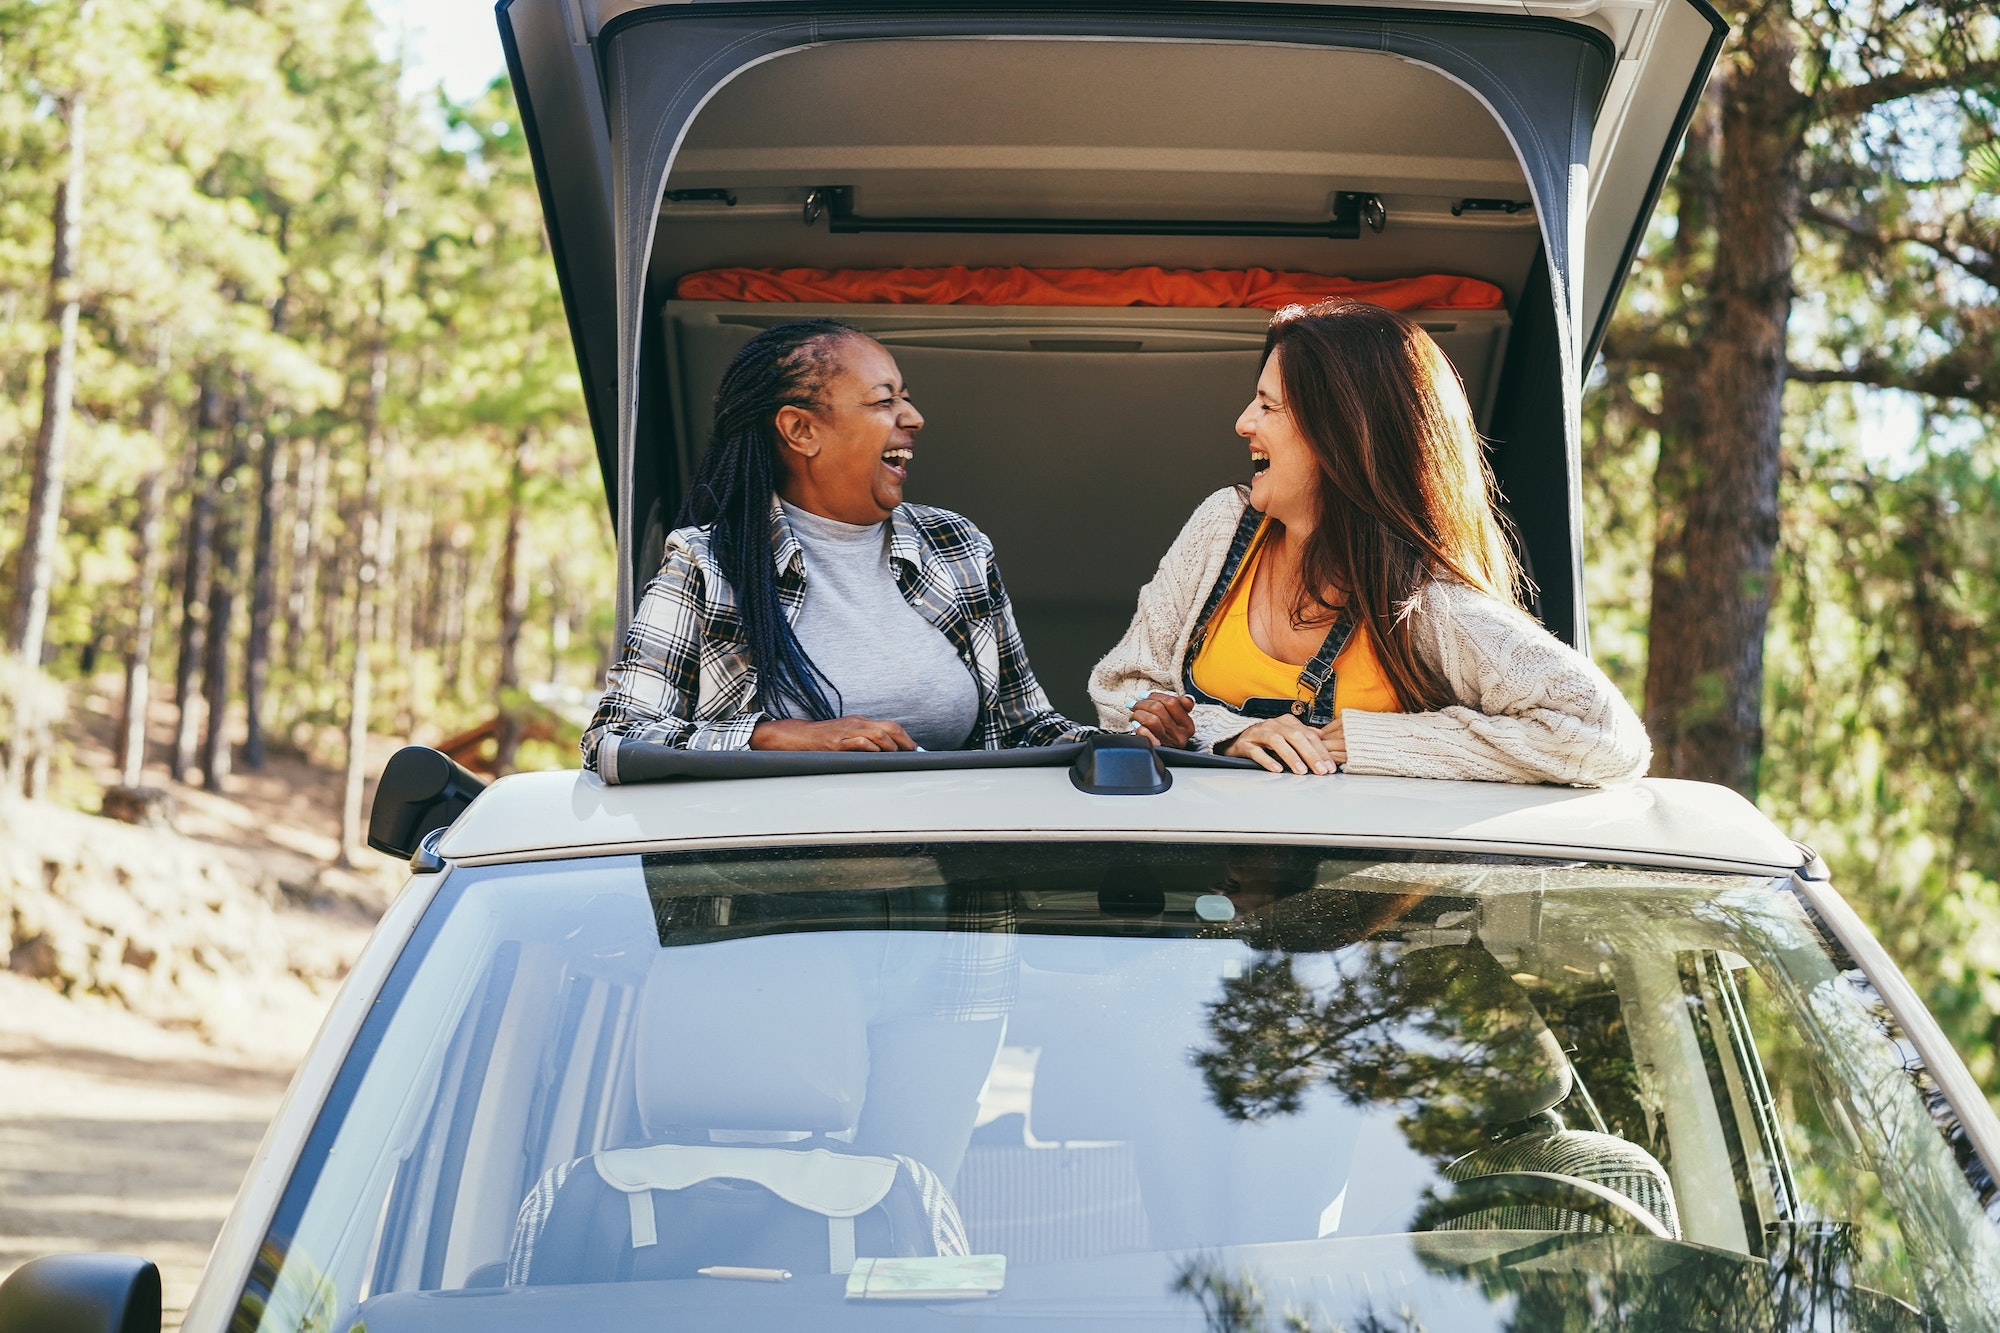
<point>117,1134</point>
<point>284,817</point>
<point>120,1131</point>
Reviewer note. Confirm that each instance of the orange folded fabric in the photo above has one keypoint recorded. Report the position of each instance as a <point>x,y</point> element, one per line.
<point>1201,289</point>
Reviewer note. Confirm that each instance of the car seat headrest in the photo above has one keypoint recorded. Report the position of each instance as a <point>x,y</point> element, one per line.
<point>755,1034</point>
<point>1508,1065</point>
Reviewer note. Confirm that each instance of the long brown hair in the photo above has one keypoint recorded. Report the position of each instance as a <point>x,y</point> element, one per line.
<point>1404,494</point>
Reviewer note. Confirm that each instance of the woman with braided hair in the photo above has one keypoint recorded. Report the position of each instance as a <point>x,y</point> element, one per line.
<point>802,603</point>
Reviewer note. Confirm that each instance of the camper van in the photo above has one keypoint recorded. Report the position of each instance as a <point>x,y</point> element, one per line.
<point>1095,1035</point>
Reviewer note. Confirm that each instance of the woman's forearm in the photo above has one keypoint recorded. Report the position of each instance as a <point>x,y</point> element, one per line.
<point>1531,709</point>
<point>603,740</point>
<point>1467,745</point>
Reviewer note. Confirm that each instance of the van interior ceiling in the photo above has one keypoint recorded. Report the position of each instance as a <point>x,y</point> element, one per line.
<point>1080,437</point>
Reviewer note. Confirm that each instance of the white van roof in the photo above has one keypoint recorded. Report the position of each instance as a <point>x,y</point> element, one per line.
<point>1656,821</point>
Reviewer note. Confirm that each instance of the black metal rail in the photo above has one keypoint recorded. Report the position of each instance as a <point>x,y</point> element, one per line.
<point>1352,210</point>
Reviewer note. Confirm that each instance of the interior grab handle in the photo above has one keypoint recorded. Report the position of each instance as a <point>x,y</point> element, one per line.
<point>1351,211</point>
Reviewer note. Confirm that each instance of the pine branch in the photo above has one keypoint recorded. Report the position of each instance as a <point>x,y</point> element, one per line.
<point>1964,375</point>
<point>1968,256</point>
<point>1857,98</point>
<point>1645,346</point>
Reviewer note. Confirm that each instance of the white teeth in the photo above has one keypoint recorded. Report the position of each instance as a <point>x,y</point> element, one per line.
<point>898,455</point>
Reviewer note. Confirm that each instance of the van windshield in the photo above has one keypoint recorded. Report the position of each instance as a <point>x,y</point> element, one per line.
<point>1164,1085</point>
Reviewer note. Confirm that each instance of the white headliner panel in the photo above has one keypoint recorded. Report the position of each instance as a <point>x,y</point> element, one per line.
<point>1131,129</point>
<point>542,814</point>
<point>1364,129</point>
<point>1019,127</point>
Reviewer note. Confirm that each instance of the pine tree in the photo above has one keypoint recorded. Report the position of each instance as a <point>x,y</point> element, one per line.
<point>1787,143</point>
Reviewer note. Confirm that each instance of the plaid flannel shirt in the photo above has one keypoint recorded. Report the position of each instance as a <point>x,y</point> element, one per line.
<point>686,679</point>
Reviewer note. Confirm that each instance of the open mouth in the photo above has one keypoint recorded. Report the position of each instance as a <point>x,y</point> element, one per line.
<point>1259,462</point>
<point>898,460</point>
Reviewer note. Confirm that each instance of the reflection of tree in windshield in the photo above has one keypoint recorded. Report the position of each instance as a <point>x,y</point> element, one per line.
<point>1638,1285</point>
<point>1576,1284</point>
<point>286,1291</point>
<point>1443,1034</point>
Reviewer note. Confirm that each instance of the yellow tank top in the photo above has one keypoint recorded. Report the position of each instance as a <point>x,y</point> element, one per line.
<point>1233,668</point>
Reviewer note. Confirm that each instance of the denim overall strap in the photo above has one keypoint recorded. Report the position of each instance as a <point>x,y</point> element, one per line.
<point>1318,674</point>
<point>1239,550</point>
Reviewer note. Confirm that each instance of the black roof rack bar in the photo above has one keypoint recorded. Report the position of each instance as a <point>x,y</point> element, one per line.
<point>643,762</point>
<point>1350,209</point>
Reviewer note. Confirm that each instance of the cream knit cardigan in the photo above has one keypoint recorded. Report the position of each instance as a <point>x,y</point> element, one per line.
<point>1530,708</point>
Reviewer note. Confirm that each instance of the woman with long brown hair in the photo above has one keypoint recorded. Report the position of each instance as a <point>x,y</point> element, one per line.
<point>1358,605</point>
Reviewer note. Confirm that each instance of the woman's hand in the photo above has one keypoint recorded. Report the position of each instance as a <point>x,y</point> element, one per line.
<point>1165,719</point>
<point>1334,737</point>
<point>1285,743</point>
<point>843,733</point>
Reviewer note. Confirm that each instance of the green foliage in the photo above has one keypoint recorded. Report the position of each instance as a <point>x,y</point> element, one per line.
<point>1882,661</point>
<point>266,207</point>
<point>1982,168</point>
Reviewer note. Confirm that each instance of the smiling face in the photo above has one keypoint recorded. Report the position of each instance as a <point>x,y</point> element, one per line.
<point>847,459</point>
<point>1284,469</point>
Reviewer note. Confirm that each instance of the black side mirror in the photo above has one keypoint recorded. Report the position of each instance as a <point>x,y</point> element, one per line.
<point>421,791</point>
<point>82,1293</point>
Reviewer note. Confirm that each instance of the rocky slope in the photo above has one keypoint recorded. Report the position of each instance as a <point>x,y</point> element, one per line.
<point>179,930</point>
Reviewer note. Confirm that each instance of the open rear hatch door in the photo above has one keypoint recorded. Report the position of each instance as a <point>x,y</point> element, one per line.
<point>1523,145</point>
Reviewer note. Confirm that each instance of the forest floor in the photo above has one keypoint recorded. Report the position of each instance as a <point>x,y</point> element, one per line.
<point>163,985</point>
<point>119,1134</point>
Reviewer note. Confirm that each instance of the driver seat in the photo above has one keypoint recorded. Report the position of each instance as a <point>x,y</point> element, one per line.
<point>750,1064</point>
<point>1603,1159</point>
<point>1524,1076</point>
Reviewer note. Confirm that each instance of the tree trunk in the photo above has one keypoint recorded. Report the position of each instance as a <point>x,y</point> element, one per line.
<point>513,610</point>
<point>222,602</point>
<point>30,617</point>
<point>198,534</point>
<point>152,551</point>
<point>1717,480</point>
<point>360,682</point>
<point>93,644</point>
<point>559,620</point>
<point>430,623</point>
<point>308,496</point>
<point>271,480</point>
<point>388,548</point>
<point>138,660</point>
<point>410,551</point>
<point>458,586</point>
<point>340,557</point>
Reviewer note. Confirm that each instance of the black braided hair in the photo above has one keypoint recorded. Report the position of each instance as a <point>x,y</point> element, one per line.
<point>787,365</point>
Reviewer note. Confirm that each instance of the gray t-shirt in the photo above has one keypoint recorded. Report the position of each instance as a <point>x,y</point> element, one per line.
<point>886,660</point>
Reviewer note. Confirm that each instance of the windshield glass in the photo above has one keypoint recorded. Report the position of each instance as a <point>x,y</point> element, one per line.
<point>1167,1085</point>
